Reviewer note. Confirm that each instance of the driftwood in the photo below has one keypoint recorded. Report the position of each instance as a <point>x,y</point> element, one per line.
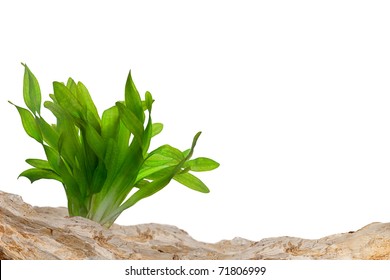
<point>28,232</point>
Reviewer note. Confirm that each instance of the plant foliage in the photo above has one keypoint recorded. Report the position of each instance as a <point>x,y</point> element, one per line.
<point>100,160</point>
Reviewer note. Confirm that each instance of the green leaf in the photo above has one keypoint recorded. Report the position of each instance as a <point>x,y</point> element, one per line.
<point>110,123</point>
<point>29,123</point>
<point>70,183</point>
<point>111,156</point>
<point>148,100</point>
<point>132,163</point>
<point>31,91</point>
<point>83,176</point>
<point>85,98</point>
<point>133,99</point>
<point>87,110</point>
<point>194,141</point>
<point>99,177</point>
<point>111,159</point>
<point>186,152</point>
<point>167,152</point>
<point>95,141</point>
<point>122,139</point>
<point>142,184</point>
<point>71,85</point>
<point>157,159</point>
<point>189,180</point>
<point>68,146</point>
<point>35,174</point>
<point>147,136</point>
<point>143,192</point>
<point>60,168</point>
<point>67,100</point>
<point>151,189</point>
<point>131,122</point>
<point>155,171</point>
<point>156,128</point>
<point>57,111</point>
<point>53,158</point>
<point>201,164</point>
<point>50,135</point>
<point>39,163</point>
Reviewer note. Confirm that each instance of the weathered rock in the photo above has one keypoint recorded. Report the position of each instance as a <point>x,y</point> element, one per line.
<point>28,232</point>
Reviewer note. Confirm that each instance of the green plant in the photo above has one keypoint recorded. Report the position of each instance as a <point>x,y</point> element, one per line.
<point>99,161</point>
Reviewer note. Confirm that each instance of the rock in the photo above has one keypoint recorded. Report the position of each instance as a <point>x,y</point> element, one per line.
<point>28,232</point>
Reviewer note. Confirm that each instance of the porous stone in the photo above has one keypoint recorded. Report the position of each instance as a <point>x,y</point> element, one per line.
<point>44,233</point>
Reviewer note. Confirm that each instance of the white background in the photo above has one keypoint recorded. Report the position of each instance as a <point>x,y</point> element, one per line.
<point>305,270</point>
<point>292,97</point>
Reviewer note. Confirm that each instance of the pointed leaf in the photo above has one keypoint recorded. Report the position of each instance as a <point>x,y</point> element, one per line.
<point>155,172</point>
<point>69,146</point>
<point>133,99</point>
<point>31,91</point>
<point>67,100</point>
<point>201,164</point>
<point>85,99</point>
<point>29,123</point>
<point>39,163</point>
<point>50,135</point>
<point>167,152</point>
<point>110,123</point>
<point>194,141</point>
<point>156,128</point>
<point>70,84</point>
<point>131,122</point>
<point>156,159</point>
<point>57,111</point>
<point>35,174</point>
<point>186,152</point>
<point>53,158</point>
<point>95,141</point>
<point>151,189</point>
<point>122,140</point>
<point>148,100</point>
<point>189,180</point>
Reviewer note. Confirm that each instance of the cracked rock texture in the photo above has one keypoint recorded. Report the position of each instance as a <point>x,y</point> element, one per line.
<point>45,233</point>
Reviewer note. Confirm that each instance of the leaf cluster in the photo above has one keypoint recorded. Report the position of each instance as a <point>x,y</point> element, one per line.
<point>101,160</point>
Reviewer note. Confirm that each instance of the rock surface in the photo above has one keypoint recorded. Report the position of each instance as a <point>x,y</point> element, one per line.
<point>28,232</point>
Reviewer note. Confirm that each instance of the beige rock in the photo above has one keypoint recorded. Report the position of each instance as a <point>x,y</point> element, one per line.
<point>28,232</point>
